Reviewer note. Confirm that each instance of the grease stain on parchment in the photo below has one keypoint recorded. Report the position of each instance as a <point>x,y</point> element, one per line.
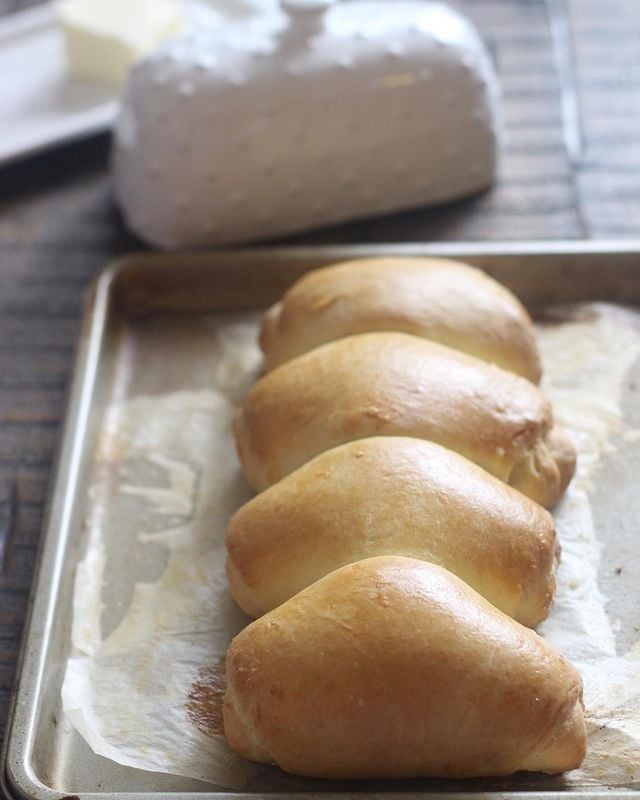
<point>205,699</point>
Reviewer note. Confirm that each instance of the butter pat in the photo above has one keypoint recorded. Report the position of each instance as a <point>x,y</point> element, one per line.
<point>103,38</point>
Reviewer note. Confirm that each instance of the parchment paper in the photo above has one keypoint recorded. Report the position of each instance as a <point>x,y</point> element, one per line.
<point>151,607</point>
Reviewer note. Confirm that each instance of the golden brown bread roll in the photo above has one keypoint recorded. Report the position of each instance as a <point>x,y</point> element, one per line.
<point>393,496</point>
<point>394,384</point>
<point>442,300</point>
<point>395,668</point>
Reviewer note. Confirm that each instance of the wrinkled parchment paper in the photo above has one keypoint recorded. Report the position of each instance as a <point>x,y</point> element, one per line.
<point>151,606</point>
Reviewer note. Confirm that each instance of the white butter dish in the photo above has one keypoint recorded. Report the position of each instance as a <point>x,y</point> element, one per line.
<point>313,114</point>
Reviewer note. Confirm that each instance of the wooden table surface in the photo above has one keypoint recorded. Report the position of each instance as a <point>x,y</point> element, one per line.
<point>570,72</point>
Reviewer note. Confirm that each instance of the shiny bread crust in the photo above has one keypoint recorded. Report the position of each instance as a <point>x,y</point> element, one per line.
<point>395,384</point>
<point>394,668</point>
<point>392,495</point>
<point>438,299</point>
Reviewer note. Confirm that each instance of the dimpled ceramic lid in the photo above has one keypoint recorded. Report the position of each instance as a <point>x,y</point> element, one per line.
<point>310,115</point>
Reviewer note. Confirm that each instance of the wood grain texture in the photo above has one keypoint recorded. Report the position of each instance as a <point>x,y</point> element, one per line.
<point>607,55</point>
<point>58,226</point>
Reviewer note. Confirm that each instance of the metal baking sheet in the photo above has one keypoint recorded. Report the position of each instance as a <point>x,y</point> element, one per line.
<point>152,310</point>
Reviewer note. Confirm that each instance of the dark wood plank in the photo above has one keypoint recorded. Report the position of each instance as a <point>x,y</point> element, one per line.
<point>607,55</point>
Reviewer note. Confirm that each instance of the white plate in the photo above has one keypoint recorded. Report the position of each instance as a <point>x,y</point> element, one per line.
<point>40,106</point>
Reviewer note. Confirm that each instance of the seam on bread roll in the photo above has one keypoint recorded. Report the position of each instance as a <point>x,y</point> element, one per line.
<point>560,742</point>
<point>240,730</point>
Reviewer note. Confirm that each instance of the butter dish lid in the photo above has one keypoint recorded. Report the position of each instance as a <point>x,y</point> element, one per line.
<point>312,114</point>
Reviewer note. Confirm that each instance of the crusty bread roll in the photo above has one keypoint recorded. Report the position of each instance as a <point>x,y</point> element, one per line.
<point>394,384</point>
<point>393,496</point>
<point>442,300</point>
<point>395,668</point>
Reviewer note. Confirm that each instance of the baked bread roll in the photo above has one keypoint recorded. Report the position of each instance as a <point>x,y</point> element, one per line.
<point>442,300</point>
<point>394,384</point>
<point>395,668</point>
<point>393,496</point>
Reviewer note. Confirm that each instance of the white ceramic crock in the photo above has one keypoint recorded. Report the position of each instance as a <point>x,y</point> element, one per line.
<point>317,113</point>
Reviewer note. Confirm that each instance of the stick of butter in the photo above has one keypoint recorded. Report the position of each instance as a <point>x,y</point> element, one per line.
<point>103,38</point>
